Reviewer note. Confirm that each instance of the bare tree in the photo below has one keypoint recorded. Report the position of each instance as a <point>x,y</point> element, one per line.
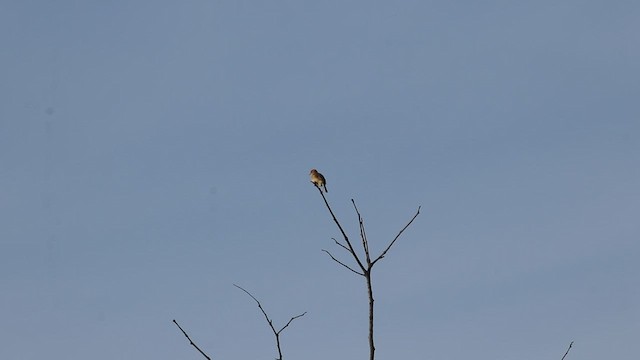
<point>364,266</point>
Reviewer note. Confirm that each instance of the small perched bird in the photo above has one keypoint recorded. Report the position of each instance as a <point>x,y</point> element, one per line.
<point>318,180</point>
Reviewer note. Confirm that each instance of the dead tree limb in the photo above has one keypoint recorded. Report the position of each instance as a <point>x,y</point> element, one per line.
<point>191,341</point>
<point>397,236</point>
<point>366,264</point>
<point>569,348</point>
<point>276,333</point>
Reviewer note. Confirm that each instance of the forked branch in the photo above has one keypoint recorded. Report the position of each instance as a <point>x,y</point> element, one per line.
<point>276,333</point>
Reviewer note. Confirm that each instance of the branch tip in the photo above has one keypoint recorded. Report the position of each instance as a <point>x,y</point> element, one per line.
<point>569,348</point>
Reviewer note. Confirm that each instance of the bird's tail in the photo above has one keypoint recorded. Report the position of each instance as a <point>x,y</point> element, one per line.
<point>325,188</point>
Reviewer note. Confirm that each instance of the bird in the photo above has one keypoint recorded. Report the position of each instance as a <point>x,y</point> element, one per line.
<point>318,180</point>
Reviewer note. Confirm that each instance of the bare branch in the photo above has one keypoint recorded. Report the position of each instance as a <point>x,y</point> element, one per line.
<point>341,263</point>
<point>363,234</point>
<point>270,322</point>
<point>397,236</point>
<point>290,320</point>
<point>569,348</point>
<point>340,244</point>
<point>191,341</point>
<point>260,307</point>
<point>344,235</point>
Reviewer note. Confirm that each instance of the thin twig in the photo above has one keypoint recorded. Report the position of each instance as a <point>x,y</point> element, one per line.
<point>340,244</point>
<point>190,341</point>
<point>341,263</point>
<point>363,234</point>
<point>276,333</point>
<point>397,236</point>
<point>290,320</point>
<point>569,348</point>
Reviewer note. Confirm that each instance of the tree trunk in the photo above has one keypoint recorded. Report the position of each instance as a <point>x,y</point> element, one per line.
<point>372,348</point>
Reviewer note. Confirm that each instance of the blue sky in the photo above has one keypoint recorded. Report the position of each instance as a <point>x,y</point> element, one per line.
<point>152,154</point>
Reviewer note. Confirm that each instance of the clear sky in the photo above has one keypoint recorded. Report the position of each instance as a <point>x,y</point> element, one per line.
<point>154,153</point>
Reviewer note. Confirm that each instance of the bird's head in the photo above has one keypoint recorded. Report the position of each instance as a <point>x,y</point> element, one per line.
<point>313,171</point>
